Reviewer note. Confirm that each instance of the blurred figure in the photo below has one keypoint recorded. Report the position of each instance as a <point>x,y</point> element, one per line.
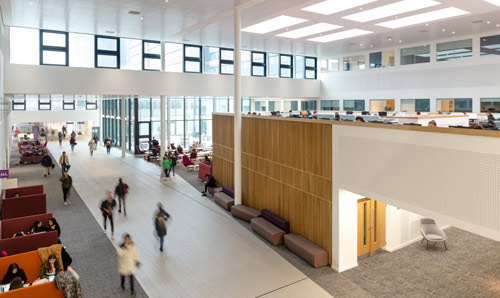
<point>121,190</point>
<point>60,137</point>
<point>91,147</point>
<point>72,142</point>
<point>161,217</point>
<point>432,123</point>
<point>167,166</point>
<point>128,261</point>
<point>66,183</point>
<point>107,212</point>
<point>96,140</point>
<point>46,164</point>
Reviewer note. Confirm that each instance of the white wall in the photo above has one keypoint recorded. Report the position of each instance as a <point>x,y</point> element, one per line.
<point>448,177</point>
<point>55,116</point>
<point>402,228</point>
<point>474,78</point>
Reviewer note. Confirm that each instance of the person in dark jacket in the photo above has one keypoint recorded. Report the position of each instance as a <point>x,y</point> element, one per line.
<point>173,161</point>
<point>46,164</point>
<point>37,227</point>
<point>208,160</point>
<point>72,142</point>
<point>13,272</point>
<point>160,218</point>
<point>54,226</point>
<point>107,212</point>
<point>179,149</point>
<point>108,144</point>
<point>121,191</point>
<point>211,182</point>
<point>66,183</point>
<point>96,140</point>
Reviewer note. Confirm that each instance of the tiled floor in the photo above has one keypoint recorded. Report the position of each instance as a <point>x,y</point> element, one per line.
<point>207,253</point>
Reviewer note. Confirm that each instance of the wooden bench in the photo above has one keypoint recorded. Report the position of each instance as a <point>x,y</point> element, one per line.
<point>244,212</point>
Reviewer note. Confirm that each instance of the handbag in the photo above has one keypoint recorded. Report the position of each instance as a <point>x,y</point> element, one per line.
<point>53,165</point>
<point>67,167</point>
<point>95,148</point>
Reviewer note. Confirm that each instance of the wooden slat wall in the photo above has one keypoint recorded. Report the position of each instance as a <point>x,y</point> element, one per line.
<point>287,168</point>
<point>223,153</point>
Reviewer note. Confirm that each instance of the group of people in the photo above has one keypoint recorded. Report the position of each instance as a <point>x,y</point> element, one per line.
<point>39,227</point>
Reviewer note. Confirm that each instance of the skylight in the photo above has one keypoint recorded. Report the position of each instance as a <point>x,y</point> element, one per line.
<point>273,24</point>
<point>494,2</point>
<point>391,10</point>
<point>424,18</point>
<point>341,35</point>
<point>309,30</point>
<point>332,6</point>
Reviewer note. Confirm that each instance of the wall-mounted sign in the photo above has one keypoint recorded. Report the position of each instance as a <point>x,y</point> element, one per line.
<point>4,174</point>
<point>69,122</point>
<point>81,122</point>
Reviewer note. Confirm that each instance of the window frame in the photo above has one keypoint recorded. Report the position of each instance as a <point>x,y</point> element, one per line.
<point>40,104</point>
<point>64,49</point>
<point>258,64</point>
<point>23,104</point>
<point>225,61</point>
<point>285,66</point>
<point>192,59</point>
<point>70,102</point>
<point>310,68</point>
<point>98,52</point>
<point>150,56</point>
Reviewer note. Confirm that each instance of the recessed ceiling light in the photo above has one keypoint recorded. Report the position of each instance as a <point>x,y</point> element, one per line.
<point>390,10</point>
<point>424,17</point>
<point>488,22</point>
<point>494,2</point>
<point>452,32</point>
<point>309,30</point>
<point>31,3</point>
<point>443,30</point>
<point>332,6</point>
<point>361,44</point>
<point>142,18</point>
<point>371,46</point>
<point>498,25</point>
<point>390,39</point>
<point>273,24</point>
<point>427,25</point>
<point>400,41</point>
<point>341,35</point>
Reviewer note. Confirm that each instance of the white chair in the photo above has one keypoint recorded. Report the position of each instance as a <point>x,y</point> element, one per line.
<point>431,232</point>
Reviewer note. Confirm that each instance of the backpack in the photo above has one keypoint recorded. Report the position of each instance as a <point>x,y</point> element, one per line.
<point>125,188</point>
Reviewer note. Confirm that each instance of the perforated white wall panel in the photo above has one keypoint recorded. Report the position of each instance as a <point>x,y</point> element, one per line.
<point>448,177</point>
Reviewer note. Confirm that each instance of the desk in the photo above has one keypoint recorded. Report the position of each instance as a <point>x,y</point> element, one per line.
<point>441,120</point>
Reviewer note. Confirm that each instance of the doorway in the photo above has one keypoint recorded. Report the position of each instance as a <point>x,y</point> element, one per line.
<point>371,226</point>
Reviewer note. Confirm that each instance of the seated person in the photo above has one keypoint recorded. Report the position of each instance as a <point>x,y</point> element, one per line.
<point>50,268</point>
<point>193,154</point>
<point>211,182</point>
<point>208,160</point>
<point>360,119</point>
<point>54,226</point>
<point>179,149</point>
<point>16,283</point>
<point>37,227</point>
<point>432,123</point>
<point>16,195</point>
<point>20,234</point>
<point>13,272</point>
<point>155,143</point>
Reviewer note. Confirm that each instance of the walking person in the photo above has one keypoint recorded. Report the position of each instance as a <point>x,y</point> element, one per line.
<point>64,162</point>
<point>173,161</point>
<point>46,164</point>
<point>160,218</point>
<point>167,166</point>
<point>96,140</point>
<point>66,183</point>
<point>60,137</point>
<point>91,147</point>
<point>128,261</point>
<point>73,134</point>
<point>108,145</point>
<point>72,142</point>
<point>107,212</point>
<point>121,190</point>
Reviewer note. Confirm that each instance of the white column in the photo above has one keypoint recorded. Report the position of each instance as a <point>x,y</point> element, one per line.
<point>163,143</point>
<point>237,106</point>
<point>162,67</point>
<point>168,120</point>
<point>100,119</point>
<point>122,120</point>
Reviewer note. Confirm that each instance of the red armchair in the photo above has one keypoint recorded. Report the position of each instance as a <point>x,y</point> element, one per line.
<point>204,170</point>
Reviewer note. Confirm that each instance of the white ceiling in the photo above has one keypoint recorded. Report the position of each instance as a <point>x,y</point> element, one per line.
<point>210,22</point>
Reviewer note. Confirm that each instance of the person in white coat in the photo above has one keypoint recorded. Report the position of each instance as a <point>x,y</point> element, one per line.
<point>91,147</point>
<point>128,261</point>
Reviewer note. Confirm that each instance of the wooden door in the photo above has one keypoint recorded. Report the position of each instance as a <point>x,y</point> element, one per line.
<point>371,226</point>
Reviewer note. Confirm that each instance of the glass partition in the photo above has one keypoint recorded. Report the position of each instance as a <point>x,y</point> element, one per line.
<point>382,105</point>
<point>450,105</point>
<point>490,105</point>
<point>454,50</point>
<point>490,45</point>
<point>354,62</point>
<point>330,105</point>
<point>415,105</point>
<point>382,59</point>
<point>354,105</point>
<point>416,55</point>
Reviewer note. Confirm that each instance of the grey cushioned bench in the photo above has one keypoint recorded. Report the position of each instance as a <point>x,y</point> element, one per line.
<point>308,251</point>
<point>244,212</point>
<point>225,198</point>
<point>267,230</point>
<point>213,190</point>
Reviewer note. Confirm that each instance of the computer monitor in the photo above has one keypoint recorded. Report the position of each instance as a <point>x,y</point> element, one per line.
<point>382,114</point>
<point>414,124</point>
<point>349,112</point>
<point>365,113</point>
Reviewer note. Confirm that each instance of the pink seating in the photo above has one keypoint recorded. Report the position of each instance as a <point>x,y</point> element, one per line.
<point>204,170</point>
<point>24,206</point>
<point>21,224</point>
<point>186,162</point>
<point>23,191</point>
<point>18,245</point>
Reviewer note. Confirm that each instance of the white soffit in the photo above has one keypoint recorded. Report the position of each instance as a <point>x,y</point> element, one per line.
<point>424,18</point>
<point>273,24</point>
<point>309,30</point>
<point>333,6</point>
<point>494,2</point>
<point>341,35</point>
<point>391,10</point>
